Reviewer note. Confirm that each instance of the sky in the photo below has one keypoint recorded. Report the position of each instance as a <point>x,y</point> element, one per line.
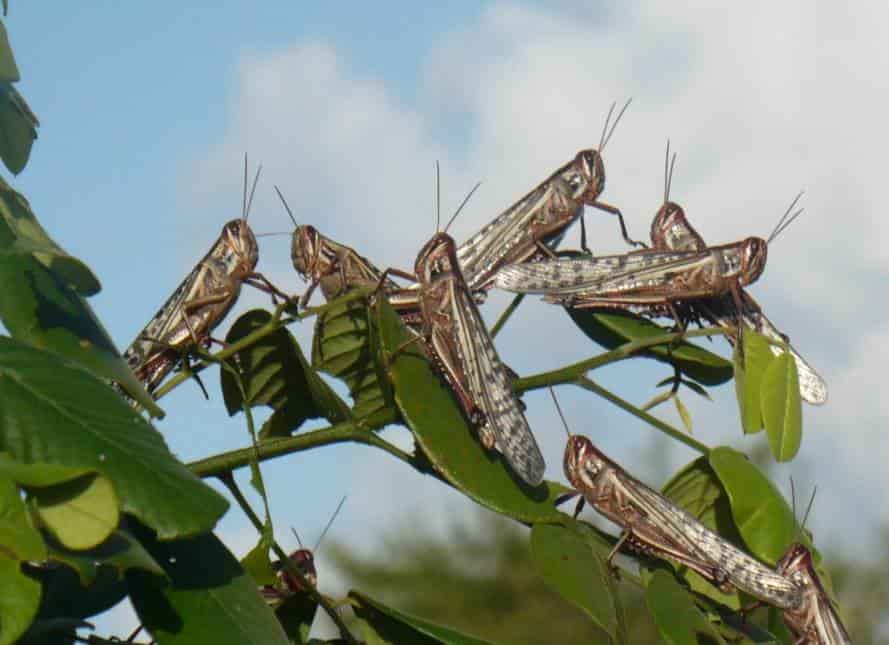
<point>148,109</point>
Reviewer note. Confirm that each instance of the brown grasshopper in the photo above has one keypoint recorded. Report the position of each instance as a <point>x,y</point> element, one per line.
<point>670,231</point>
<point>461,350</point>
<point>655,526</point>
<point>201,301</point>
<point>815,621</point>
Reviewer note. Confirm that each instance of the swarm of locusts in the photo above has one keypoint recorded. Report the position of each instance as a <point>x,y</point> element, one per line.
<point>679,276</point>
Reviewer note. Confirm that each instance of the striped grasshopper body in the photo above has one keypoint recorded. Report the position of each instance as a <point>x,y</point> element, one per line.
<point>815,621</point>
<point>655,526</point>
<point>461,350</point>
<point>647,281</point>
<point>197,305</point>
<point>670,231</point>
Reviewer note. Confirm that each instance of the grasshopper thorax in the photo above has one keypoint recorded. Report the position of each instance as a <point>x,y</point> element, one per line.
<point>670,229</point>
<point>582,462</point>
<point>305,562</point>
<point>591,170</point>
<point>240,242</point>
<point>754,252</point>
<point>305,250</point>
<point>437,257</point>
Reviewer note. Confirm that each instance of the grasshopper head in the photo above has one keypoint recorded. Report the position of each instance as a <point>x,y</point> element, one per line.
<point>438,256</point>
<point>582,462</point>
<point>241,242</point>
<point>671,231</point>
<point>305,562</point>
<point>754,251</point>
<point>305,249</point>
<point>592,171</point>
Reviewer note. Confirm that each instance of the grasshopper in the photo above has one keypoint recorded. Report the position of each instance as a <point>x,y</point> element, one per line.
<point>463,353</point>
<point>529,229</point>
<point>655,526</point>
<point>304,560</point>
<point>201,300</point>
<point>815,621</point>
<point>670,231</point>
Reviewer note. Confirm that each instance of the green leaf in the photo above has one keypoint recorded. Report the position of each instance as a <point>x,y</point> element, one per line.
<point>9,71</point>
<point>430,410</point>
<point>782,407</point>
<point>120,552</point>
<point>275,373</point>
<point>657,399</point>
<point>763,518</point>
<point>573,560</point>
<point>697,489</point>
<point>26,475</point>
<point>296,614</point>
<point>54,412</point>
<point>677,617</point>
<point>81,514</point>
<point>683,413</point>
<point>613,329</point>
<point>257,562</point>
<point>396,627</point>
<point>210,599</point>
<point>18,128</point>
<point>19,541</point>
<point>40,308</point>
<point>343,346</point>
<point>749,370</point>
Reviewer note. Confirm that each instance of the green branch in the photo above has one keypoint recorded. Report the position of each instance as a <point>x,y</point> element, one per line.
<point>501,321</point>
<point>666,428</point>
<point>570,373</point>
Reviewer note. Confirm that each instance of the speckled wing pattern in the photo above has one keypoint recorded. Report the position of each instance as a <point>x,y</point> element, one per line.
<point>708,548</point>
<point>491,388</point>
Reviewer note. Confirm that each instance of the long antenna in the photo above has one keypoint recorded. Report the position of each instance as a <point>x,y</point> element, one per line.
<point>244,199</point>
<point>272,234</point>
<point>606,138</point>
<point>332,518</point>
<point>284,201</point>
<point>669,164</point>
<point>809,507</point>
<point>462,204</point>
<point>298,541</point>
<point>252,192</point>
<point>786,219</point>
<point>437,197</point>
<point>552,393</point>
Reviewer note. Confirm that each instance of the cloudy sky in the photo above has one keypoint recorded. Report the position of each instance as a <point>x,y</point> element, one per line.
<point>147,111</point>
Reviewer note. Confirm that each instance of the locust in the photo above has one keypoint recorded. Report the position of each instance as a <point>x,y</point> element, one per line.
<point>655,526</point>
<point>815,621</point>
<point>529,229</point>
<point>462,352</point>
<point>671,231</point>
<point>287,584</point>
<point>201,300</point>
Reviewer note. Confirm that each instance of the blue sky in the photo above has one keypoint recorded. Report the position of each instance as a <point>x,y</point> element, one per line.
<point>147,110</point>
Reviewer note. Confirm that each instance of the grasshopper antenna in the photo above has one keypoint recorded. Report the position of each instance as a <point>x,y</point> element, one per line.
<point>252,190</point>
<point>272,234</point>
<point>809,508</point>
<point>298,541</point>
<point>286,207</point>
<point>786,219</point>
<point>603,141</point>
<point>552,393</point>
<point>437,197</point>
<point>462,204</point>
<point>244,198</point>
<point>329,522</point>
<point>669,165</point>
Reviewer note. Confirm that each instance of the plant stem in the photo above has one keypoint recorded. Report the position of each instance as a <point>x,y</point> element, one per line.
<point>355,431</point>
<point>569,373</point>
<point>229,481</point>
<point>274,324</point>
<point>501,321</point>
<point>587,384</point>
